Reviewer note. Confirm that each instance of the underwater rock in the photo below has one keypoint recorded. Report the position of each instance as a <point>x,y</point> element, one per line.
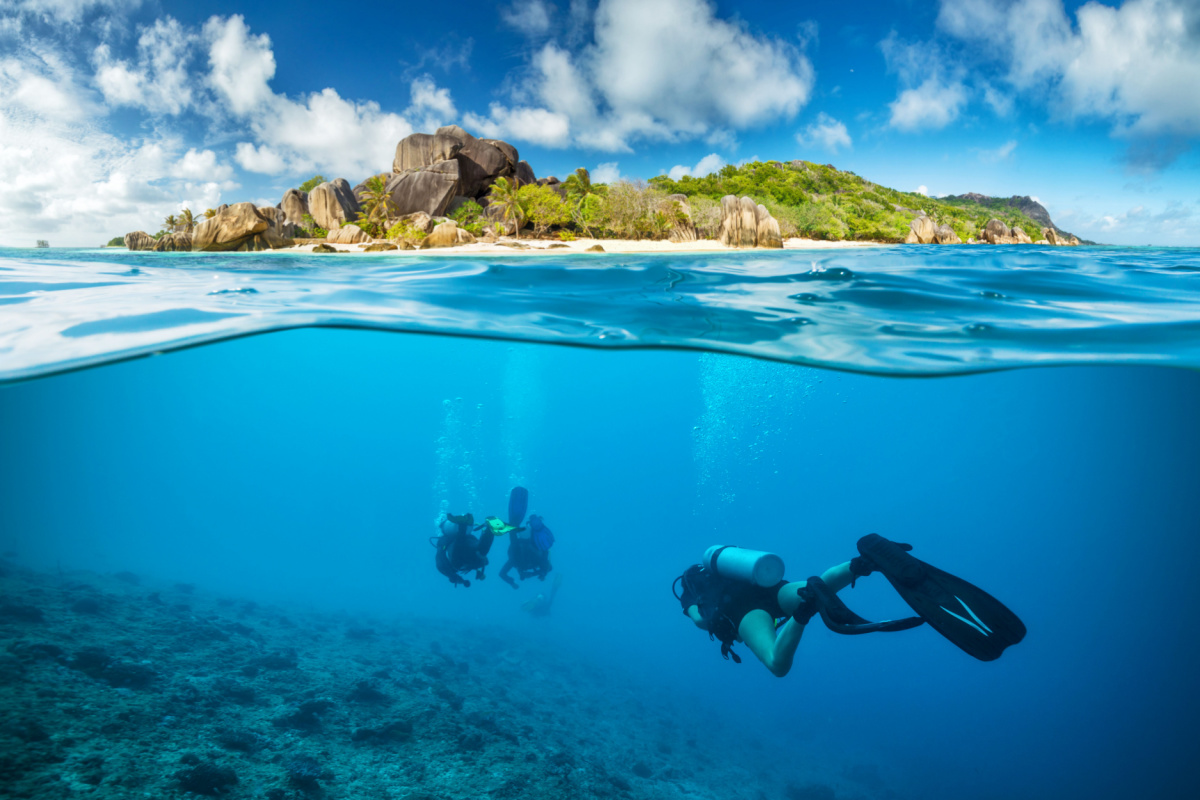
<point>241,741</point>
<point>325,248</point>
<point>206,778</point>
<point>283,659</point>
<point>234,691</point>
<point>18,612</point>
<point>399,730</point>
<point>306,771</point>
<point>304,717</point>
<point>367,692</point>
<point>596,248</point>
<point>642,770</point>
<point>87,605</point>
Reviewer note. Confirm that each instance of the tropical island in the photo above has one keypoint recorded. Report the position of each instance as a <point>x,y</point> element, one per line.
<point>451,189</point>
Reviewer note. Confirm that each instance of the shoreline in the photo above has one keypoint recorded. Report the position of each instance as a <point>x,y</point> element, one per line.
<point>580,247</point>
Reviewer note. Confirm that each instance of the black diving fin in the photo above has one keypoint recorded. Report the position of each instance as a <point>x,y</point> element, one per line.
<point>518,503</point>
<point>979,624</point>
<point>840,619</point>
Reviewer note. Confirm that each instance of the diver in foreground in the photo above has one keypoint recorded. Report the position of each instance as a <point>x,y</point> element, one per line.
<point>738,595</point>
<point>529,546</point>
<point>459,551</point>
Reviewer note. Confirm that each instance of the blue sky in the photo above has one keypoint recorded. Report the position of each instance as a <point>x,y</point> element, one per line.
<point>115,113</point>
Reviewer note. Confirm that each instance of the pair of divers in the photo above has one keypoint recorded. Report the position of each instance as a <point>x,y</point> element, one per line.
<point>740,595</point>
<point>460,552</point>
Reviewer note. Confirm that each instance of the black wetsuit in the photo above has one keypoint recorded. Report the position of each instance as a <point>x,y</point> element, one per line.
<point>527,558</point>
<point>462,551</point>
<point>721,598</point>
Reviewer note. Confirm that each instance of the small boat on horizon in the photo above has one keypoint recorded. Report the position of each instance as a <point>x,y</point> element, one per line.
<point>42,243</point>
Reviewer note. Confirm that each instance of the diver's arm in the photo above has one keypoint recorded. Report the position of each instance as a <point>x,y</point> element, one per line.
<point>693,611</point>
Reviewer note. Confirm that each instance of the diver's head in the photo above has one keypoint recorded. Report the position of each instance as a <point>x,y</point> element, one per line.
<point>448,528</point>
<point>535,522</point>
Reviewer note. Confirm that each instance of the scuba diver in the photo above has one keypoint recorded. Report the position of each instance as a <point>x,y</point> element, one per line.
<point>540,605</point>
<point>459,550</point>
<point>529,547</point>
<point>740,595</point>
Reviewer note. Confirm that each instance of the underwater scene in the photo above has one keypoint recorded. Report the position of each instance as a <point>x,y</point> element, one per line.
<point>230,487</point>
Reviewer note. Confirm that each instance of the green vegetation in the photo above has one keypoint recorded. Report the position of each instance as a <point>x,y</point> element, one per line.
<point>469,217</point>
<point>209,213</point>
<point>404,231</point>
<point>187,220</point>
<point>377,207</point>
<point>314,231</point>
<point>505,196</point>
<point>312,183</point>
<point>822,202</point>
<point>169,223</point>
<point>543,206</point>
<point>116,241</point>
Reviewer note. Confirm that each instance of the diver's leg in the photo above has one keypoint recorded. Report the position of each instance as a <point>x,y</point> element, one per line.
<point>836,578</point>
<point>485,542</point>
<point>504,576</point>
<point>775,649</point>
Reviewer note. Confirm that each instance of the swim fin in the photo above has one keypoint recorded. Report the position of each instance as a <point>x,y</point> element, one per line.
<point>518,503</point>
<point>840,619</point>
<point>979,624</point>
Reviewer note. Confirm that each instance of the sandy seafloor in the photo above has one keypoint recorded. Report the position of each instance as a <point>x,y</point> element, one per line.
<point>120,686</point>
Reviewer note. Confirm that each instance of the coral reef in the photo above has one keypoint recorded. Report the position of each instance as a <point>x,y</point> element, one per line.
<point>164,690</point>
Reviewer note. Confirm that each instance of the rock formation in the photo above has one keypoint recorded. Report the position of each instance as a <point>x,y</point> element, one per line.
<point>294,206</point>
<point>173,242</point>
<point>348,234</point>
<point>996,232</point>
<point>333,203</point>
<point>745,224</point>
<point>424,150</point>
<point>139,240</point>
<point>524,173</point>
<point>767,228</point>
<point>923,229</point>
<point>1020,236</point>
<point>479,163</point>
<point>447,234</point>
<point>429,189</point>
<point>684,229</point>
<point>240,227</point>
<point>944,234</point>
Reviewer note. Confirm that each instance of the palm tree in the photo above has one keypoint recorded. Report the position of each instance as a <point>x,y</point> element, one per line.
<point>187,220</point>
<point>169,223</point>
<point>579,188</point>
<point>504,196</point>
<point>209,213</point>
<point>377,206</point>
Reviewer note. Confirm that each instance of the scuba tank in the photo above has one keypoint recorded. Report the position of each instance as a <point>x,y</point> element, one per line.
<point>740,564</point>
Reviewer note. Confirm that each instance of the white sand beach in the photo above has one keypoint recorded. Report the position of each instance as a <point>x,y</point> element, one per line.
<point>538,246</point>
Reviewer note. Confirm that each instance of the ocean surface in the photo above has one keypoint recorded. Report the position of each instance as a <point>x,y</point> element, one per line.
<point>1028,418</point>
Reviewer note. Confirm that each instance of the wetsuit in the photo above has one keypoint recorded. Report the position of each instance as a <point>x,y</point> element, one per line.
<point>527,558</point>
<point>461,551</point>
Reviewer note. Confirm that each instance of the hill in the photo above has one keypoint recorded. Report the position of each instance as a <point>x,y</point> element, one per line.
<point>820,201</point>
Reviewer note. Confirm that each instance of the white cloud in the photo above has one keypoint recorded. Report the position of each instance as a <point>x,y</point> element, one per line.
<point>922,189</point>
<point>201,165</point>
<point>429,100</point>
<point>706,166</point>
<point>240,64</point>
<point>826,133</point>
<point>259,159</point>
<point>930,106</point>
<point>530,17</point>
<point>660,70</point>
<point>43,86</point>
<point>1000,153</point>
<point>67,10</point>
<point>1136,66</point>
<point>159,82</point>
<point>535,125</point>
<point>935,93</point>
<point>607,172</point>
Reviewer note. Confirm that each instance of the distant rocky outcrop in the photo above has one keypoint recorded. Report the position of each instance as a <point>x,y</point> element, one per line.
<point>241,226</point>
<point>173,242</point>
<point>944,234</point>
<point>294,206</point>
<point>744,224</point>
<point>921,230</point>
<point>996,232</point>
<point>139,240</point>
<point>333,203</point>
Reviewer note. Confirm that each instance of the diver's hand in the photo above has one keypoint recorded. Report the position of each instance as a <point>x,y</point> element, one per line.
<point>464,582</point>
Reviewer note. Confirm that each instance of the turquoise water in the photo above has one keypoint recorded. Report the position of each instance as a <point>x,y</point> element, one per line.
<point>305,469</point>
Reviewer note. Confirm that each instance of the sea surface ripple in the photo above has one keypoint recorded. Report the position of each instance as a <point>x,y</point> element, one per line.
<point>902,310</point>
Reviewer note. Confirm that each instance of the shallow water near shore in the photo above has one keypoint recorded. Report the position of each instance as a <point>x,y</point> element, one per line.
<point>199,513</point>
